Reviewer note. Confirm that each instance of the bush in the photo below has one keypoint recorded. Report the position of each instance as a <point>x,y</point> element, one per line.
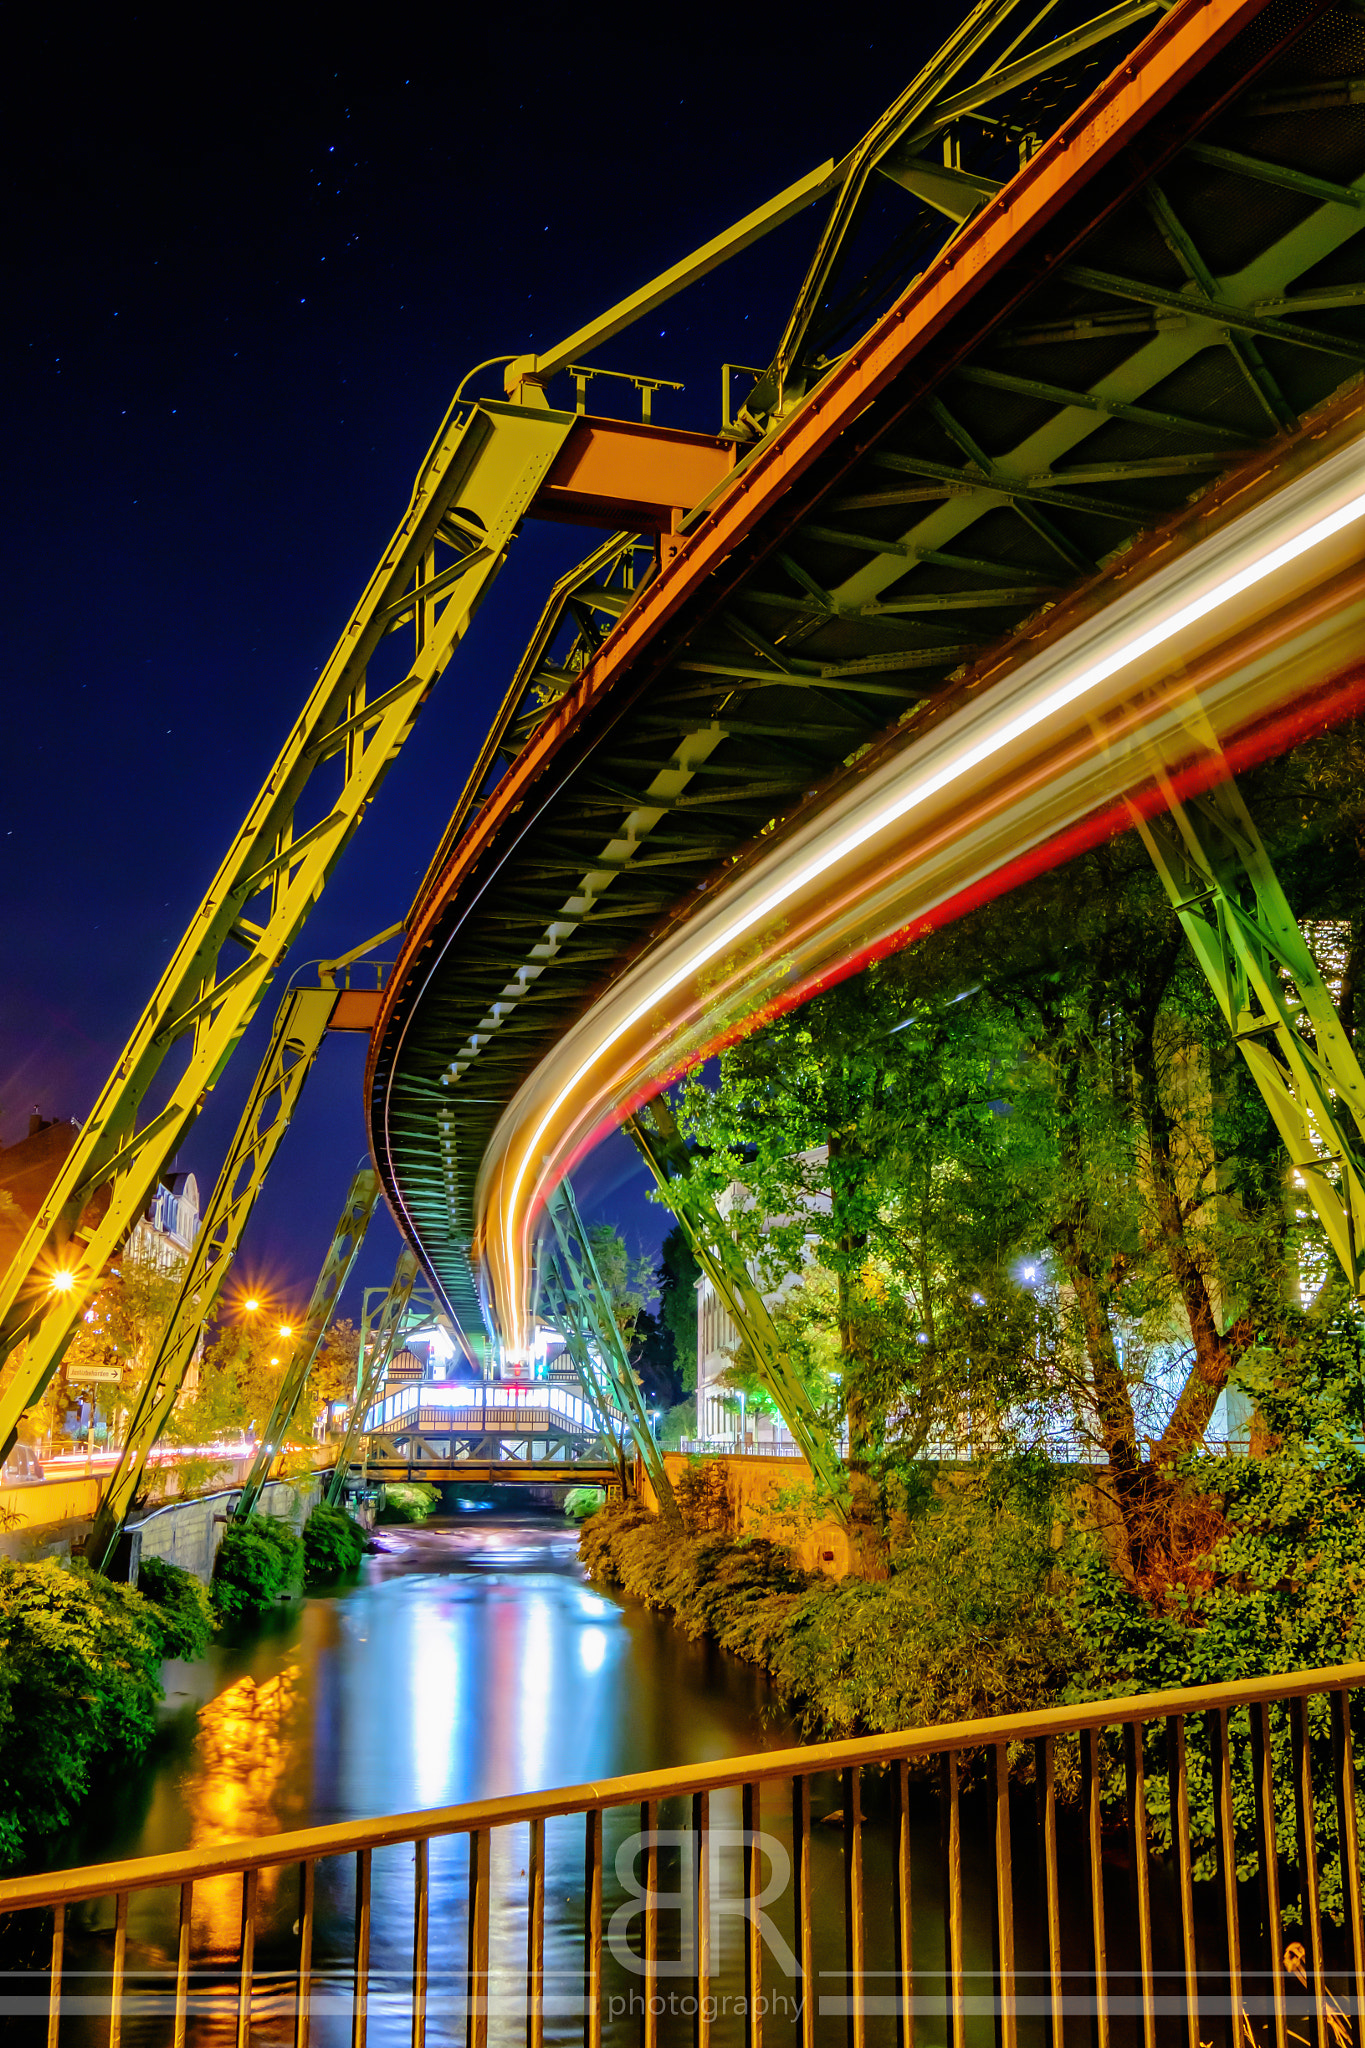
<point>183,1610</point>
<point>969,1623</point>
<point>259,1562</point>
<point>408,1503</point>
<point>332,1544</point>
<point>582,1501</point>
<point>80,1681</point>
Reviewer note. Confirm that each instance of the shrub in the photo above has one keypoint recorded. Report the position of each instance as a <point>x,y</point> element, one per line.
<point>408,1503</point>
<point>582,1501</point>
<point>182,1609</point>
<point>969,1623</point>
<point>259,1562</point>
<point>80,1681</point>
<point>332,1543</point>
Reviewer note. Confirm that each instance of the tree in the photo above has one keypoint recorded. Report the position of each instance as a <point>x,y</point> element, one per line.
<point>676,1278</point>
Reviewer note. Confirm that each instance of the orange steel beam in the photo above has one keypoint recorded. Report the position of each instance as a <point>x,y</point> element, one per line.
<point>632,476</point>
<point>1174,54</point>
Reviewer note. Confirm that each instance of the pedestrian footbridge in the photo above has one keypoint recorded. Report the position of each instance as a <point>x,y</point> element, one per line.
<point>467,1421</point>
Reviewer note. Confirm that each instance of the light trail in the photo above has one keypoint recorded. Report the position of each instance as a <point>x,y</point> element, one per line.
<point>1074,728</point>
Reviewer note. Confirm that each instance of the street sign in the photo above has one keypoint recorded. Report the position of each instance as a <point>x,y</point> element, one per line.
<point>94,1375</point>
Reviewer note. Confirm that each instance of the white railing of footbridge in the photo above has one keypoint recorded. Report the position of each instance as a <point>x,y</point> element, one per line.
<point>464,1405</point>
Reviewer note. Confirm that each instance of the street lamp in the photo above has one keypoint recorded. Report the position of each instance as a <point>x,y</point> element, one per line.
<point>251,1306</point>
<point>63,1282</point>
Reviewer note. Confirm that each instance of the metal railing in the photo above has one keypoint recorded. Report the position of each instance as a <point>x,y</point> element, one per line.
<point>820,1922</point>
<point>439,1401</point>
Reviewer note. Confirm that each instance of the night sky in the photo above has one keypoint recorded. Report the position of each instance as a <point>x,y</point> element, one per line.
<point>247,267</point>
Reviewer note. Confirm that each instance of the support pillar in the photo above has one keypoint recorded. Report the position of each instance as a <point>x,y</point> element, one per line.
<point>716,1253</point>
<point>342,1253</point>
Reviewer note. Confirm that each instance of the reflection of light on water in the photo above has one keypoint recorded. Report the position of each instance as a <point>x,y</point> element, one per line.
<point>434,1677</point>
<point>241,1756</point>
<point>592,1648</point>
<point>536,1647</point>
<point>593,1604</point>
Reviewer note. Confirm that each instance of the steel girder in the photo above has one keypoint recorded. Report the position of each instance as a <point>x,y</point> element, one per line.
<point>300,1024</point>
<point>590,1310</point>
<point>393,1314</point>
<point>714,1248</point>
<point>1225,891</point>
<point>342,1254</point>
<point>478,479</point>
<point>1033,415</point>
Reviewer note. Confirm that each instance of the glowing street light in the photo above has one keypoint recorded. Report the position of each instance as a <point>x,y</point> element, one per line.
<point>63,1282</point>
<point>286,1330</point>
<point>251,1306</point>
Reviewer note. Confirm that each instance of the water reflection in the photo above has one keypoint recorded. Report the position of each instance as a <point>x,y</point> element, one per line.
<point>471,1661</point>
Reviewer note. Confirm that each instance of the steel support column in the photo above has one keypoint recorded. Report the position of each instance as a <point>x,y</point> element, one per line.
<point>342,1253</point>
<point>1228,898</point>
<point>583,1282</point>
<point>370,1376</point>
<point>300,1024</point>
<point>716,1252</point>
<point>562,1306</point>
<point>482,472</point>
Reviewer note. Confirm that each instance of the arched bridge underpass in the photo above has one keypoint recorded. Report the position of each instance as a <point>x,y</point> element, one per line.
<point>1076,515</point>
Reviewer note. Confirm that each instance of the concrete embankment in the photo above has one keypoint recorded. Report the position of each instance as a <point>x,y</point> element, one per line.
<point>55,1516</point>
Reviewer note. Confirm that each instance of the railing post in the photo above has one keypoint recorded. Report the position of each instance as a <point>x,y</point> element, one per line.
<point>1045,1793</point>
<point>116,1978</point>
<point>1184,1866</point>
<point>592,1929</point>
<point>1348,1841</point>
<point>855,1959</point>
<point>1007,2031</point>
<point>1268,1862</point>
<point>360,1991</point>
<point>701,1918</point>
<point>950,1824</point>
<point>421,1859</point>
<point>1310,1905</point>
<point>246,1957</point>
<point>649,1944</point>
<point>1225,1843</point>
<point>182,1964</point>
<point>476,1976</point>
<point>802,1916</point>
<point>303,1996</point>
<point>902,1924</point>
<point>1094,1831</point>
<point>535,1936</point>
<point>752,1822</point>
<point>1135,1775</point>
<point>54,1982</point>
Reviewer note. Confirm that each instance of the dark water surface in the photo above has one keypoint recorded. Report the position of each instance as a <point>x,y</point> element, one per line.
<point>470,1661</point>
<point>473,1661</point>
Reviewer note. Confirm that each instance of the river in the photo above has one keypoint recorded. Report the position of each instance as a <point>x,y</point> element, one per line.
<point>472,1660</point>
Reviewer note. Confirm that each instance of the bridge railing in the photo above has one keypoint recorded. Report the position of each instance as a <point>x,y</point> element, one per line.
<point>693,1899</point>
<point>498,1402</point>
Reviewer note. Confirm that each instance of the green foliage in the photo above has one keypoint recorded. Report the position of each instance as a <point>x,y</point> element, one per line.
<point>184,1612</point>
<point>259,1562</point>
<point>409,1503</point>
<point>79,1685</point>
<point>582,1501</point>
<point>967,1625</point>
<point>332,1544</point>
<point>239,1377</point>
<point>1278,1584</point>
<point>677,1277</point>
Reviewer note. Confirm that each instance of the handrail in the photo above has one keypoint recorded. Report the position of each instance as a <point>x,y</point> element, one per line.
<point>141,1873</point>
